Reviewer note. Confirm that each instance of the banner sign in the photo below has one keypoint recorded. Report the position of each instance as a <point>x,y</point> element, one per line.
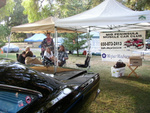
<point>121,44</point>
<point>116,55</point>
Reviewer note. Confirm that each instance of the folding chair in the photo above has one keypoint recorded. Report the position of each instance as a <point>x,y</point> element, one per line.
<point>86,64</point>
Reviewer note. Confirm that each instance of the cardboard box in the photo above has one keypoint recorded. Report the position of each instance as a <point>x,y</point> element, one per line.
<point>135,61</point>
<point>117,72</point>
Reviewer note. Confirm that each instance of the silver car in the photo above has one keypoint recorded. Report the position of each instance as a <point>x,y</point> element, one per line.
<point>10,48</point>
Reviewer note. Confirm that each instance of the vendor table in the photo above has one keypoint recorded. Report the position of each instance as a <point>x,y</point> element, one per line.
<point>133,68</point>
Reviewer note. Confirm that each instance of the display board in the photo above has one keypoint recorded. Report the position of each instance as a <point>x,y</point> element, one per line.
<point>120,45</point>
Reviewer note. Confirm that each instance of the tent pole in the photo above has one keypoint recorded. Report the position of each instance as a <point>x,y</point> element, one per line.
<point>8,44</point>
<point>89,44</point>
<point>55,52</point>
<point>77,41</point>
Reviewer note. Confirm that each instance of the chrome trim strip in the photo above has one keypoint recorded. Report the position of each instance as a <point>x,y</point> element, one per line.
<point>4,86</point>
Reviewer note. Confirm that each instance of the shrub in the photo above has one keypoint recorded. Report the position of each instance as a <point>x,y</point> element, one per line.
<point>2,44</point>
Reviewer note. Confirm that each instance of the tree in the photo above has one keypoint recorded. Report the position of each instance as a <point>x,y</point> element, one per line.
<point>17,17</point>
<point>38,9</point>
<point>4,32</point>
<point>72,42</point>
<point>13,19</point>
<point>138,5</point>
<point>69,8</point>
<point>7,9</point>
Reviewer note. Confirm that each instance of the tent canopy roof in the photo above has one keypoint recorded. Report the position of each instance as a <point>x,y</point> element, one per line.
<point>108,16</point>
<point>42,26</point>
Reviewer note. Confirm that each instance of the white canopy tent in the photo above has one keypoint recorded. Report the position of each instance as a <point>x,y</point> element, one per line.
<point>110,15</point>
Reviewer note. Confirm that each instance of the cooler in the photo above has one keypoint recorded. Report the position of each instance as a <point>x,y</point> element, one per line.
<point>117,72</point>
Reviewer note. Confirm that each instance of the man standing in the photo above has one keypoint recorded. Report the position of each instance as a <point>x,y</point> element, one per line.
<point>47,42</point>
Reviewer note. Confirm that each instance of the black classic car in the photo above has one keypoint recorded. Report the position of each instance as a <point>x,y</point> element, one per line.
<point>37,89</point>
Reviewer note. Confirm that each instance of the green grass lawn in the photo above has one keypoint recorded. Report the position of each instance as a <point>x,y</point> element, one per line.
<point>118,95</point>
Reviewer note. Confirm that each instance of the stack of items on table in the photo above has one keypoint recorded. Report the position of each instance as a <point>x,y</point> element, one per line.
<point>135,61</point>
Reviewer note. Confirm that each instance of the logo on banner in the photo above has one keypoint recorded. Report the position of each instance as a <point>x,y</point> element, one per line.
<point>142,17</point>
<point>103,55</point>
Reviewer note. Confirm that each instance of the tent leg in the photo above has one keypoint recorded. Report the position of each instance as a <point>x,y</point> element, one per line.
<point>8,44</point>
<point>55,52</point>
<point>89,46</point>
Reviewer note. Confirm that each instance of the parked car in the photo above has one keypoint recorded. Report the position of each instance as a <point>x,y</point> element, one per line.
<point>10,48</point>
<point>147,42</point>
<point>33,89</point>
<point>138,43</point>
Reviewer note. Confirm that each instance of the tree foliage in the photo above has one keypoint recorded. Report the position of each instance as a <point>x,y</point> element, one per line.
<point>73,42</point>
<point>139,5</point>
<point>71,7</point>
<point>36,10</point>
<point>7,9</point>
<point>31,9</point>
<point>13,19</point>
<point>4,31</point>
<point>17,17</point>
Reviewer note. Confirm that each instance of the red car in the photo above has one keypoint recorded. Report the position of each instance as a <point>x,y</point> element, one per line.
<point>138,43</point>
